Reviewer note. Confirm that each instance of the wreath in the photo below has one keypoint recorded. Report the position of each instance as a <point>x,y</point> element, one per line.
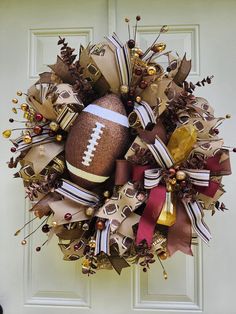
<point>118,157</point>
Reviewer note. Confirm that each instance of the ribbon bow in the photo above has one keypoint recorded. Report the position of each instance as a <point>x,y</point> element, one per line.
<point>157,197</point>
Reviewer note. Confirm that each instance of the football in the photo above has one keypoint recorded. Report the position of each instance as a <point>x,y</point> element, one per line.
<point>99,136</point>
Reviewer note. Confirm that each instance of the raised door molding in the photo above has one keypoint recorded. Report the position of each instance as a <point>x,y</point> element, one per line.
<point>43,47</point>
<point>182,291</point>
<point>179,38</point>
<point>50,281</point>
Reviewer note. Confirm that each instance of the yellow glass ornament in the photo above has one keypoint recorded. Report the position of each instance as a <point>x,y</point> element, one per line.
<point>168,212</point>
<point>181,142</point>
<point>6,133</point>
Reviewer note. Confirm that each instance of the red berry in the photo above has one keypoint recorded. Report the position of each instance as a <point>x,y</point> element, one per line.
<point>68,217</point>
<point>13,149</point>
<point>38,117</point>
<point>38,129</point>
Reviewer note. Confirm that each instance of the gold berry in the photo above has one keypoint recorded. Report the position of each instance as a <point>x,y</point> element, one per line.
<point>151,70</point>
<point>180,175</point>
<point>54,126</point>
<point>138,98</point>
<point>106,194</point>
<point>59,137</point>
<point>6,133</point>
<point>24,107</point>
<point>23,242</point>
<point>159,47</point>
<point>228,116</point>
<point>19,93</point>
<point>124,89</point>
<point>27,139</point>
<point>89,211</point>
<point>54,224</point>
<point>15,101</point>
<point>163,256</point>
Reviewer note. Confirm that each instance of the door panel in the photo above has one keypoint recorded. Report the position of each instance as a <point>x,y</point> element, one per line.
<point>32,283</point>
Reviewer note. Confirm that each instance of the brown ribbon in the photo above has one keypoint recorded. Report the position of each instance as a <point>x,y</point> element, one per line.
<point>180,234</point>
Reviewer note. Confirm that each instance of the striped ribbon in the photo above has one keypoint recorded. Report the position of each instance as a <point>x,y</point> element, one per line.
<point>144,114</point>
<point>161,153</point>
<point>102,240</point>
<point>194,212</point>
<point>36,140</point>
<point>152,178</point>
<point>198,177</point>
<point>77,194</point>
<point>122,59</point>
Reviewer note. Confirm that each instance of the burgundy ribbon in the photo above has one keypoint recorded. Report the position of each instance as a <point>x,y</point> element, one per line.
<point>219,168</point>
<point>180,234</point>
<point>209,190</point>
<point>150,215</point>
<point>138,173</point>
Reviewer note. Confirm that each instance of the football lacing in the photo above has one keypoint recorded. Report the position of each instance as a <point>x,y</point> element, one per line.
<point>93,142</point>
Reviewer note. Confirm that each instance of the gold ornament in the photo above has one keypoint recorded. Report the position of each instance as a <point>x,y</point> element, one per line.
<point>15,101</point>
<point>138,99</point>
<point>24,107</point>
<point>106,194</point>
<point>163,256</point>
<point>181,142</point>
<point>23,242</point>
<point>27,139</point>
<point>59,137</point>
<point>6,133</point>
<point>151,70</point>
<point>86,263</point>
<point>89,211</point>
<point>124,89</point>
<point>26,115</point>
<point>168,213</point>
<point>139,51</point>
<point>169,187</point>
<point>172,181</point>
<point>92,243</point>
<point>54,126</point>
<point>159,47</point>
<point>180,175</point>
<point>19,93</point>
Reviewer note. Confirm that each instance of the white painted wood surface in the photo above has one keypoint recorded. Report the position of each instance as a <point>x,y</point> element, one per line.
<point>32,283</point>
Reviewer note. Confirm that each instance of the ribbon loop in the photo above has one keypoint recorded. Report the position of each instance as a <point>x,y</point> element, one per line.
<point>161,153</point>
<point>194,212</point>
<point>77,194</point>
<point>198,177</point>
<point>152,178</point>
<point>142,114</point>
<point>122,59</point>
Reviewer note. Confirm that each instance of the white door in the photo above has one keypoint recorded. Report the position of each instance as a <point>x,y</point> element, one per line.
<point>32,283</point>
